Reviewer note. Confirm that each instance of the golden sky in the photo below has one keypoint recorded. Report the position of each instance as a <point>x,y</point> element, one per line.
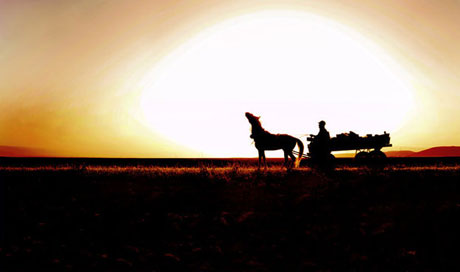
<point>74,75</point>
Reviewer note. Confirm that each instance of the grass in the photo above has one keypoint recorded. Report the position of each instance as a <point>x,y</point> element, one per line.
<point>230,218</point>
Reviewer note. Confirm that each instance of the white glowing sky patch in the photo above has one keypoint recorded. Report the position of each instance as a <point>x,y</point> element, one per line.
<point>292,68</point>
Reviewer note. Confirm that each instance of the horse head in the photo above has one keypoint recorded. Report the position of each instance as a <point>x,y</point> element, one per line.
<point>253,120</point>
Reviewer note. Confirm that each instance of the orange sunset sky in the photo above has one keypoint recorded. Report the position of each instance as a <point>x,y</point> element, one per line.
<point>114,78</point>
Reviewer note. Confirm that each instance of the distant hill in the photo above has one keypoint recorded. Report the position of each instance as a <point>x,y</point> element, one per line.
<point>400,153</point>
<point>20,151</point>
<point>439,151</point>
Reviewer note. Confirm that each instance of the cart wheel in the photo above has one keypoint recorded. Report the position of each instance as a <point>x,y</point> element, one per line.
<point>377,155</point>
<point>361,156</point>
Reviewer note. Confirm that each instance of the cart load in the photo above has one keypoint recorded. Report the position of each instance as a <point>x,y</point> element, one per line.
<point>368,146</point>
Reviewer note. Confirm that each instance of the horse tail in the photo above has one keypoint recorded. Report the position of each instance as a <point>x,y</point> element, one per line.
<point>300,144</point>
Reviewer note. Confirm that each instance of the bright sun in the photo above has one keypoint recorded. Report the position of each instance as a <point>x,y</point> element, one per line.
<point>292,68</point>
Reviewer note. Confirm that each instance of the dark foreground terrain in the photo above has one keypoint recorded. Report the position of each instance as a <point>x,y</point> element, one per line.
<point>83,216</point>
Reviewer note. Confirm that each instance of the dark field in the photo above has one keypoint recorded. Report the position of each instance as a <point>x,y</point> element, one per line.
<point>224,215</point>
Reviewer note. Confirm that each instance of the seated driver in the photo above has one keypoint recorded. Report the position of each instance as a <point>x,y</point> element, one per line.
<point>323,135</point>
<point>320,144</point>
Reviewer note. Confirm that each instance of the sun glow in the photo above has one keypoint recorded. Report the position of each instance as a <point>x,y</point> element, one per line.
<point>292,68</point>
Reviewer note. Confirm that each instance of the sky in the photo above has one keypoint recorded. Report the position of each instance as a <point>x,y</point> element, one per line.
<point>100,78</point>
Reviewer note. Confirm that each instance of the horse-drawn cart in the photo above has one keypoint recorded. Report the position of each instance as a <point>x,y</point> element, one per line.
<point>366,147</point>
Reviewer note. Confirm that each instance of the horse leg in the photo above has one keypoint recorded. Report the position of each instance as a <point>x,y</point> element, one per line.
<point>265,160</point>
<point>292,157</point>
<point>286,158</point>
<point>261,153</point>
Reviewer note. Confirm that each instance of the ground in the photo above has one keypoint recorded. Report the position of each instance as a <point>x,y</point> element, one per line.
<point>89,216</point>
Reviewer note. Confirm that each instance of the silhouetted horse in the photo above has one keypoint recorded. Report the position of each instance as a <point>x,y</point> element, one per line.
<point>264,140</point>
